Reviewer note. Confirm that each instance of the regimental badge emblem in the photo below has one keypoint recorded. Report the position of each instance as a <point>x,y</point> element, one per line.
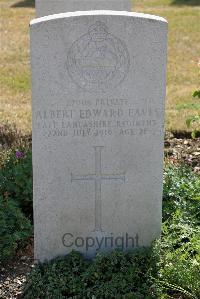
<point>98,61</point>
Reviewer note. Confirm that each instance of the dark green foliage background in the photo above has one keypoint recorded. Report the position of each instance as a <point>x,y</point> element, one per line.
<point>16,207</point>
<point>15,228</point>
<point>108,276</point>
<point>16,181</point>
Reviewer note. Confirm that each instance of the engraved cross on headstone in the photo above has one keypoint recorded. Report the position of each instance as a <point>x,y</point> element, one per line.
<point>97,177</point>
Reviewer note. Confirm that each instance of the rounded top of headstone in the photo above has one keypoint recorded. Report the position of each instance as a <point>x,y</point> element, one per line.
<point>143,16</point>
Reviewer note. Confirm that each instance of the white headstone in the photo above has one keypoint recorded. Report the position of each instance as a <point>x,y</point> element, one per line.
<point>98,90</point>
<point>49,7</point>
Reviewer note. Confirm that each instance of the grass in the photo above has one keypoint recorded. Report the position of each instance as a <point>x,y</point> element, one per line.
<point>183,73</point>
<point>183,54</point>
<point>15,71</point>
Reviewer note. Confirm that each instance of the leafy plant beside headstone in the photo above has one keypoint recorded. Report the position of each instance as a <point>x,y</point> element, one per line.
<point>107,276</point>
<point>181,191</point>
<point>16,180</point>
<point>15,228</point>
<point>15,202</point>
<point>193,121</point>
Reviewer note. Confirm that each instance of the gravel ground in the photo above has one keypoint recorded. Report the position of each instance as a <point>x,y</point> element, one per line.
<point>183,150</point>
<point>178,149</point>
<point>13,274</point>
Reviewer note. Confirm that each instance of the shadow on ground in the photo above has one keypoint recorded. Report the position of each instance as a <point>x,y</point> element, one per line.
<point>24,3</point>
<point>186,2</point>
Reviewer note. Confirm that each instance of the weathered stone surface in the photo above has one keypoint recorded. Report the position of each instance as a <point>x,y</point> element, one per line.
<point>49,7</point>
<point>98,90</point>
